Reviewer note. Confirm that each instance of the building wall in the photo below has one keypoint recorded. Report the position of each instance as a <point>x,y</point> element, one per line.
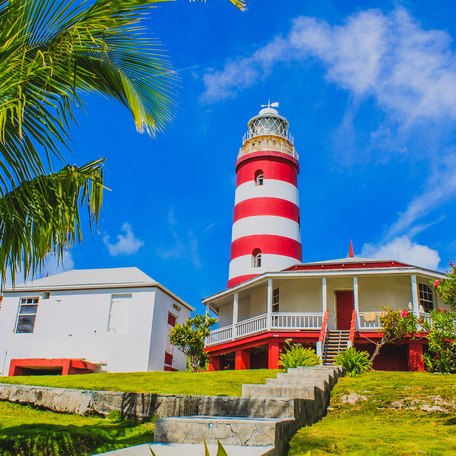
<point>164,304</point>
<point>225,315</point>
<point>80,324</point>
<point>258,300</point>
<point>376,292</point>
<point>299,295</point>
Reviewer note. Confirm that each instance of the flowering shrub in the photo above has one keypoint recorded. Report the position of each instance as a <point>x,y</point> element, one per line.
<point>446,287</point>
<point>395,325</point>
<point>441,354</point>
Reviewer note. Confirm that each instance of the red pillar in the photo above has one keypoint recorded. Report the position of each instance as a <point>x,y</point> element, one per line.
<point>214,363</point>
<point>66,367</point>
<point>273,355</point>
<point>415,357</point>
<point>242,360</point>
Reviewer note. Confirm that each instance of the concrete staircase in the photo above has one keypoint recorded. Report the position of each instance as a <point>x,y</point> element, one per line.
<point>336,342</point>
<point>307,389</point>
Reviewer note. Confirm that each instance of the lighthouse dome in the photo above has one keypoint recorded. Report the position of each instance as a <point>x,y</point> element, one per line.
<point>268,122</point>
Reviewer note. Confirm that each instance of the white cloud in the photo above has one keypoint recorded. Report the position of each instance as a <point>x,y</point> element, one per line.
<point>410,71</point>
<point>52,266</point>
<point>243,73</point>
<point>127,243</point>
<point>185,245</point>
<point>439,189</point>
<point>403,249</point>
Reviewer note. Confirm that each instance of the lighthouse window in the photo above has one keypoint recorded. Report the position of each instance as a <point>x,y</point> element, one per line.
<point>259,177</point>
<point>256,258</point>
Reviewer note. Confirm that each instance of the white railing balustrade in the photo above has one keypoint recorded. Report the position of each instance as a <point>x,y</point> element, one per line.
<point>295,320</point>
<point>220,335</point>
<point>369,320</point>
<point>251,326</point>
<point>279,320</point>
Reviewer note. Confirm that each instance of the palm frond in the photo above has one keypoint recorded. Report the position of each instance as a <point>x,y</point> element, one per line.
<point>53,51</point>
<point>42,216</point>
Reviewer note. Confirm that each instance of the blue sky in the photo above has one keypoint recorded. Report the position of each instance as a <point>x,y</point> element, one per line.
<point>369,89</point>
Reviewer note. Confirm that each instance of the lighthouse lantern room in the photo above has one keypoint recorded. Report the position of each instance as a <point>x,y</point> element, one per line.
<point>265,234</point>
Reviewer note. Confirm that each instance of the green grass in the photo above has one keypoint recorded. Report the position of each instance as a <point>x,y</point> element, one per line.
<point>25,431</point>
<point>375,427</point>
<point>220,383</point>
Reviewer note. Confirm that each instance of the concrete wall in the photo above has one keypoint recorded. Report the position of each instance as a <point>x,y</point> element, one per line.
<point>164,304</point>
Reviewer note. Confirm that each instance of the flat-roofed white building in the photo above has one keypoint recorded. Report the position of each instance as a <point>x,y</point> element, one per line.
<point>112,320</point>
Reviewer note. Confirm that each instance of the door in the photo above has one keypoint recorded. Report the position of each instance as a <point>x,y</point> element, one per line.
<point>345,302</point>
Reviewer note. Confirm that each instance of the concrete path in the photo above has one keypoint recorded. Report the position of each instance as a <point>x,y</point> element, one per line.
<point>172,449</point>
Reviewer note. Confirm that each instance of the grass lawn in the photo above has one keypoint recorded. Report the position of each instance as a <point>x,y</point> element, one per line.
<point>220,383</point>
<point>390,422</point>
<point>25,431</point>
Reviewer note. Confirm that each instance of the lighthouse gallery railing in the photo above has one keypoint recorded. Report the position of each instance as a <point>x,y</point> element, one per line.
<point>278,320</point>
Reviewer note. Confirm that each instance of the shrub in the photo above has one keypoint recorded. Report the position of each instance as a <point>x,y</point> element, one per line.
<point>295,355</point>
<point>396,324</point>
<point>441,355</point>
<point>446,287</point>
<point>353,361</point>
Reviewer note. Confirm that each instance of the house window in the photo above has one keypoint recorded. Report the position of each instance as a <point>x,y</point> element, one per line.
<point>259,177</point>
<point>256,258</point>
<point>172,320</point>
<point>275,300</point>
<point>27,315</point>
<point>426,297</point>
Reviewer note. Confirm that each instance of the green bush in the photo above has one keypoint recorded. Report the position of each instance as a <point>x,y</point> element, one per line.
<point>353,361</point>
<point>441,354</point>
<point>295,355</point>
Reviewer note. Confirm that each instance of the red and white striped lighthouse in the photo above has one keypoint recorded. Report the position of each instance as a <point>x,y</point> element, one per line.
<point>265,235</point>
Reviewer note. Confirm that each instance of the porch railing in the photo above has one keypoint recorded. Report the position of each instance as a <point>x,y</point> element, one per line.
<point>257,324</point>
<point>252,325</point>
<point>371,320</point>
<point>294,320</point>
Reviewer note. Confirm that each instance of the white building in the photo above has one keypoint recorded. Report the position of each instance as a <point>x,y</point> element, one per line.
<point>112,320</point>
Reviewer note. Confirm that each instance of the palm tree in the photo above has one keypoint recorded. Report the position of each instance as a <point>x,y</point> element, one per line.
<point>52,52</point>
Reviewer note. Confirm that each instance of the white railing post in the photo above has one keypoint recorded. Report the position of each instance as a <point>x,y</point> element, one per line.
<point>269,306</point>
<point>415,301</point>
<point>356,299</point>
<point>235,314</point>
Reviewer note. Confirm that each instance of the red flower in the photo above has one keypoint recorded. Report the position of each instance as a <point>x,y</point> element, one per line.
<point>436,283</point>
<point>404,313</point>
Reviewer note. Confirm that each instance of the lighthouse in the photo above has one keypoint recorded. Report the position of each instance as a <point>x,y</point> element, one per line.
<point>265,234</point>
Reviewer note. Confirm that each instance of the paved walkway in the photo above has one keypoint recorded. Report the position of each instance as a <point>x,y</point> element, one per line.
<point>171,449</point>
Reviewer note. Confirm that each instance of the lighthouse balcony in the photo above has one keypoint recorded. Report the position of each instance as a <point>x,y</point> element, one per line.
<point>268,143</point>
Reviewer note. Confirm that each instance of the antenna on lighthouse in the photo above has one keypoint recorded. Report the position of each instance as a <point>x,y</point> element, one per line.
<point>275,104</point>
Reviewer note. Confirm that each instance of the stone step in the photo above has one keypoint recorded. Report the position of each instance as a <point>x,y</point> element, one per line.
<point>292,391</point>
<point>240,431</point>
<point>186,449</point>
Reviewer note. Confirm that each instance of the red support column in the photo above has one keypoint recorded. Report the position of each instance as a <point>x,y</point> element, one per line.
<point>214,363</point>
<point>66,368</point>
<point>242,360</point>
<point>273,355</point>
<point>415,357</point>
